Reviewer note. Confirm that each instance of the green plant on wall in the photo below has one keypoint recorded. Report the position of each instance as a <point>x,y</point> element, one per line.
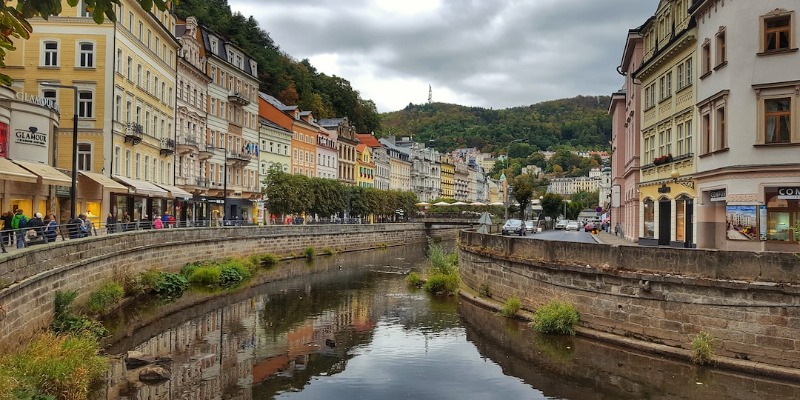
<point>556,318</point>
<point>703,348</point>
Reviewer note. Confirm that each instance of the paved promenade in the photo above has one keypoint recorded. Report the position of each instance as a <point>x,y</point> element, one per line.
<point>607,238</point>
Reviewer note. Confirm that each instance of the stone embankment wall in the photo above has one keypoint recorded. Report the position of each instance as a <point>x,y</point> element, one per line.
<point>36,273</point>
<point>749,301</point>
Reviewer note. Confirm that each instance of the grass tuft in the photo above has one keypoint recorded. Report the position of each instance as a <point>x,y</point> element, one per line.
<point>415,280</point>
<point>556,318</point>
<point>511,307</point>
<point>703,348</point>
<point>105,298</point>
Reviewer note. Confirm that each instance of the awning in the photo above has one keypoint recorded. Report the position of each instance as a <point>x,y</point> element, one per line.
<point>141,187</point>
<point>176,192</point>
<point>13,172</point>
<point>104,181</point>
<point>48,174</point>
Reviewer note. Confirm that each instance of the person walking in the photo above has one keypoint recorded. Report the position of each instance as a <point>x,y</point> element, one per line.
<point>7,234</point>
<point>37,224</point>
<point>111,223</point>
<point>158,223</point>
<point>51,226</point>
<point>18,223</point>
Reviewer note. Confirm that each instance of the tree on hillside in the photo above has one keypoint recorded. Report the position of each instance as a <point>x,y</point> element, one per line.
<point>522,191</point>
<point>14,20</point>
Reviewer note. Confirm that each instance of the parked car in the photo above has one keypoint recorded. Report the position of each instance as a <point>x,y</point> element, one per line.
<point>561,224</point>
<point>513,226</point>
<point>572,226</point>
<point>530,226</point>
<point>588,227</point>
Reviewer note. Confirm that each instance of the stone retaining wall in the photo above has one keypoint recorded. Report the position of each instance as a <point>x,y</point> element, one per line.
<point>26,306</point>
<point>748,301</point>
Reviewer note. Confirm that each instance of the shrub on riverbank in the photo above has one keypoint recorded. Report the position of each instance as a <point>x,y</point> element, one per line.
<point>511,307</point>
<point>309,252</point>
<point>703,348</point>
<point>556,318</point>
<point>52,367</point>
<point>269,260</point>
<point>415,280</point>
<point>67,321</point>
<point>443,275</point>
<point>105,298</point>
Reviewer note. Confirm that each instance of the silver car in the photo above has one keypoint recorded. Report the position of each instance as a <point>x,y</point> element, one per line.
<point>561,224</point>
<point>572,226</point>
<point>530,226</point>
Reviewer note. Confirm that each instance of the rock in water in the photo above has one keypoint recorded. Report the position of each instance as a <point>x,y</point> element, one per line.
<point>154,373</point>
<point>136,359</point>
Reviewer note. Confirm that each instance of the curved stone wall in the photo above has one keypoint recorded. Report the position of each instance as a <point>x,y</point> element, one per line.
<point>750,302</point>
<point>26,305</point>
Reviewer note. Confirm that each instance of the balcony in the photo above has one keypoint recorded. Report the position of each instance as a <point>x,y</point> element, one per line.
<point>167,147</point>
<point>187,144</point>
<point>133,133</point>
<point>205,153</point>
<point>239,158</point>
<point>203,183</point>
<point>238,99</point>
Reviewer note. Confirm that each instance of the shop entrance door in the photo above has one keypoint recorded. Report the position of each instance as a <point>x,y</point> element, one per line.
<point>664,222</point>
<point>689,224</point>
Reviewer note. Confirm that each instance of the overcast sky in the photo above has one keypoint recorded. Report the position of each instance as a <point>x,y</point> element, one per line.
<point>486,53</point>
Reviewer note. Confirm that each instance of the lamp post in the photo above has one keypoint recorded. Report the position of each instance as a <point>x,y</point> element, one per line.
<point>72,189</point>
<point>224,182</point>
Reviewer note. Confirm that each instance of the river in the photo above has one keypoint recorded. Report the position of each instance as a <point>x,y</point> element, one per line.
<point>348,327</point>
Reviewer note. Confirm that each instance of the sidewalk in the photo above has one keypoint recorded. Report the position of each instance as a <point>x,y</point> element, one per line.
<point>607,238</point>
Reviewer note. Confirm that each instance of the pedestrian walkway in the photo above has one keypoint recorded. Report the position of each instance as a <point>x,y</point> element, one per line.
<point>607,238</point>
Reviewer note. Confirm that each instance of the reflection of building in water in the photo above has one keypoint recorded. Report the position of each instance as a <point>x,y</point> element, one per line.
<point>196,367</point>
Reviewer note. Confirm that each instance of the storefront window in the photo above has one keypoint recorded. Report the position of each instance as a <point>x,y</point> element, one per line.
<point>139,209</point>
<point>649,219</point>
<point>783,215</point>
<point>680,220</point>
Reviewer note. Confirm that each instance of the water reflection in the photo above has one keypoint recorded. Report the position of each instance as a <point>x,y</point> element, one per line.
<point>348,327</point>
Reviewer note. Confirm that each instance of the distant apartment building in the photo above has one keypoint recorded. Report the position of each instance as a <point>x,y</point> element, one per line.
<point>365,167</point>
<point>448,177</point>
<point>327,154</point>
<point>400,165</point>
<point>426,174</point>
<point>346,148</point>
<point>625,108</point>
<point>570,186</point>
<point>380,158</point>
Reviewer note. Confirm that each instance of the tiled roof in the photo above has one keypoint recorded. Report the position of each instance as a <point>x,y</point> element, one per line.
<point>368,139</point>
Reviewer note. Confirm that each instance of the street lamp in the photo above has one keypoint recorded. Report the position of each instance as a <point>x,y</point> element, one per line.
<point>224,182</point>
<point>72,189</point>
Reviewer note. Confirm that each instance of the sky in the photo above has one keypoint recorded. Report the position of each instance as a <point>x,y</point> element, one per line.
<point>492,54</point>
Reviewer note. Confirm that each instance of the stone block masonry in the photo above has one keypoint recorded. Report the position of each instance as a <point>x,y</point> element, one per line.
<point>36,273</point>
<point>749,301</point>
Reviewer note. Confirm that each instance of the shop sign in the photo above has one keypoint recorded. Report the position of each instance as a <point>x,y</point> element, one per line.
<point>789,193</point>
<point>39,101</point>
<point>31,137</point>
<point>719,194</point>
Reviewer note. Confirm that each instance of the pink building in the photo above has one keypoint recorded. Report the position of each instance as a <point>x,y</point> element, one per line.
<point>624,110</point>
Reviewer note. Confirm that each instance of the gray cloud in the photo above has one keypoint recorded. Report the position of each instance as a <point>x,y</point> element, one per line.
<point>500,53</point>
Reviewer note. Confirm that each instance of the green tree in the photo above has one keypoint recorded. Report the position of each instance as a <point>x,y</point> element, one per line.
<point>522,191</point>
<point>287,194</point>
<point>552,205</point>
<point>327,197</point>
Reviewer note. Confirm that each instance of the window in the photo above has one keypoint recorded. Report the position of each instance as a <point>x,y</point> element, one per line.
<point>669,84</point>
<point>119,61</point>
<point>118,107</point>
<point>661,144</point>
<point>84,156</point>
<point>117,152</point>
<point>163,91</point>
<point>706,58</point>
<point>139,75</point>
<point>662,93</point>
<point>141,30</point>
<point>777,33</point>
<point>722,56</point>
<point>721,133</point>
<point>146,168</point>
<point>128,163</point>
<point>147,82</point>
<point>778,118</point>
<point>130,68</point>
<point>687,129</point>
<point>86,55</point>
<point>155,87</point>
<point>50,96</point>
<point>128,110</point>
<point>85,109</point>
<point>149,38</point>
<point>50,58</point>
<point>679,146</point>
<point>146,124</point>
<point>668,142</point>
<point>688,65</point>
<point>706,134</point>
<point>130,22</point>
<point>680,76</point>
<point>138,166</point>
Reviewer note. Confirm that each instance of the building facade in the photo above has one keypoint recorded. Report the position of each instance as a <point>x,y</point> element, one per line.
<point>365,178</point>
<point>448,178</point>
<point>327,154</point>
<point>346,148</point>
<point>232,132</point>
<point>749,125</point>
<point>399,165</point>
<point>668,156</point>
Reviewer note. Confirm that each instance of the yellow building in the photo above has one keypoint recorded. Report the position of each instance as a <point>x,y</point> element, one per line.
<point>123,75</point>
<point>667,152</point>
<point>448,178</point>
<point>365,168</point>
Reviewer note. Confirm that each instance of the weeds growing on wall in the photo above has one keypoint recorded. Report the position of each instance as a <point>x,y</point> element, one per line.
<point>53,367</point>
<point>511,307</point>
<point>556,318</point>
<point>105,298</point>
<point>309,253</point>
<point>703,348</point>
<point>67,321</point>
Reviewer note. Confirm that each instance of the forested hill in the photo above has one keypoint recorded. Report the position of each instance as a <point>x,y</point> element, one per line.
<point>580,122</point>
<point>291,81</point>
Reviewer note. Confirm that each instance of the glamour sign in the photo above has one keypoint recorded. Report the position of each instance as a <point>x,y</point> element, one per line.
<point>39,101</point>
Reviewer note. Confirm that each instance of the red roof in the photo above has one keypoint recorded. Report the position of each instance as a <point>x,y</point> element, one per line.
<point>368,140</point>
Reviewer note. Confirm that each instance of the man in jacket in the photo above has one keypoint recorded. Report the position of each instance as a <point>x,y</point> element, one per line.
<point>18,223</point>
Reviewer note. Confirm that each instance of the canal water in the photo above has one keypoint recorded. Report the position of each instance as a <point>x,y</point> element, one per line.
<point>348,327</point>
